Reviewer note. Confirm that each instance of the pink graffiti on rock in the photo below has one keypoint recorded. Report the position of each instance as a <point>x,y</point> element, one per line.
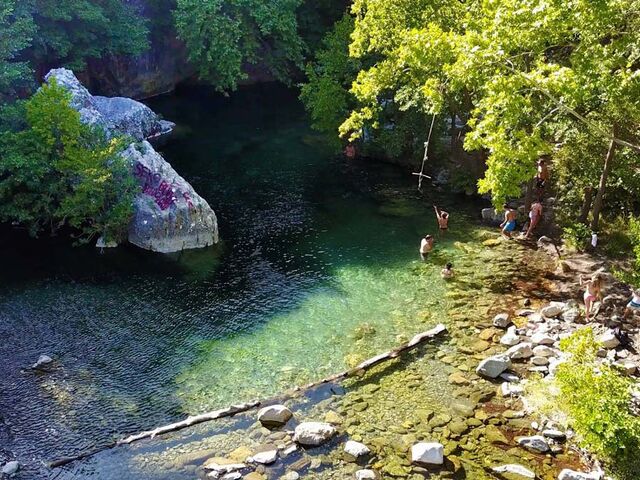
<point>164,193</point>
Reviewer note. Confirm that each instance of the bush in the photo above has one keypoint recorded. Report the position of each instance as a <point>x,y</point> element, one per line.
<point>577,236</point>
<point>55,171</point>
<point>597,400</point>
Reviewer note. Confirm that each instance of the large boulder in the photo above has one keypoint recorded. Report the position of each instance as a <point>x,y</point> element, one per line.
<point>312,434</point>
<point>116,115</point>
<point>169,216</point>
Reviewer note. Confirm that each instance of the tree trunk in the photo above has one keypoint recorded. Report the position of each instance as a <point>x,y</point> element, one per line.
<point>586,205</point>
<point>597,203</point>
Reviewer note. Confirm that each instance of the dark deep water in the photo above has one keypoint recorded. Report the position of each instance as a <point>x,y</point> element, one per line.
<point>312,246</point>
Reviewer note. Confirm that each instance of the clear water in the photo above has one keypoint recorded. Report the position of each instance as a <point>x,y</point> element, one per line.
<point>318,268</point>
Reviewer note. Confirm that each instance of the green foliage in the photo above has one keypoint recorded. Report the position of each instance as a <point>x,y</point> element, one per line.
<point>72,31</point>
<point>56,171</point>
<point>597,398</point>
<point>527,76</point>
<point>577,236</point>
<point>223,36</point>
<point>16,31</point>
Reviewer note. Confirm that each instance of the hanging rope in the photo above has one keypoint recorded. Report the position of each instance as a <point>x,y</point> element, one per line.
<point>421,175</point>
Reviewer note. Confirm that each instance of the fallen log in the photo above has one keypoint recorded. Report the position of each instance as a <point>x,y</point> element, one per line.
<point>416,341</point>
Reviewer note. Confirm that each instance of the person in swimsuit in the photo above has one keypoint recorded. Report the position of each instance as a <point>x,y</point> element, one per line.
<point>593,292</point>
<point>633,306</point>
<point>509,224</point>
<point>426,245</point>
<point>534,217</point>
<point>443,218</point>
<point>542,176</point>
<point>447,271</point>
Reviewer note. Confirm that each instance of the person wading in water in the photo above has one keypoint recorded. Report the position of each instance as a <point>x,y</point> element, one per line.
<point>426,245</point>
<point>443,219</point>
<point>509,224</point>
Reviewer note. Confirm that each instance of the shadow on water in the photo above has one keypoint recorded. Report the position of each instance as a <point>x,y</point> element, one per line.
<point>313,247</point>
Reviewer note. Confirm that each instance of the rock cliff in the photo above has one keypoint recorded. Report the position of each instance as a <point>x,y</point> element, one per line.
<point>169,215</point>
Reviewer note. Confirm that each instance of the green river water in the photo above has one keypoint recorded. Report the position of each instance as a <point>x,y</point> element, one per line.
<point>318,268</point>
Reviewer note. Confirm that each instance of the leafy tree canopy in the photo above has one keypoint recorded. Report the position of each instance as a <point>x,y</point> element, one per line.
<point>56,171</point>
<point>16,31</point>
<point>222,36</point>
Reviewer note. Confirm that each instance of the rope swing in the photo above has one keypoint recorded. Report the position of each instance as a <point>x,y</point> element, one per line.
<point>421,174</point>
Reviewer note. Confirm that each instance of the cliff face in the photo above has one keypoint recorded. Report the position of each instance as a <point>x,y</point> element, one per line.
<point>156,71</point>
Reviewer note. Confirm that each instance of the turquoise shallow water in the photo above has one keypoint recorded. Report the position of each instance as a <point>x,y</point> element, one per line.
<point>318,269</point>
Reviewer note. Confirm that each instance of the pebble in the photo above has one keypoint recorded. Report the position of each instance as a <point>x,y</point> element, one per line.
<point>501,320</point>
<point>555,434</point>
<point>356,449</point>
<point>536,443</point>
<point>544,351</point>
<point>542,339</point>
<point>537,360</point>
<point>493,366</point>
<point>365,475</point>
<point>515,471</point>
<point>265,458</point>
<point>520,351</point>
<point>431,453</point>
<point>10,468</point>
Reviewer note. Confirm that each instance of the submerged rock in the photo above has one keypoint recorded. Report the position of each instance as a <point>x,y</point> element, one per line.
<point>43,361</point>
<point>10,468</point>
<point>356,449</point>
<point>431,453</point>
<point>169,216</point>
<point>567,474</point>
<point>514,472</point>
<point>312,434</point>
<point>365,475</point>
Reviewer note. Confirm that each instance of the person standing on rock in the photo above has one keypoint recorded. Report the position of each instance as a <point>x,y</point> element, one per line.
<point>443,219</point>
<point>426,245</point>
<point>542,176</point>
<point>593,292</point>
<point>509,224</point>
<point>535,215</point>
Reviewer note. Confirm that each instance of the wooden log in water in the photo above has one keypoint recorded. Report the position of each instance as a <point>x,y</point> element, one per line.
<point>243,407</point>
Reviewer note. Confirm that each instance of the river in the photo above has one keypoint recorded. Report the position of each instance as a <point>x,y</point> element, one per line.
<point>316,251</point>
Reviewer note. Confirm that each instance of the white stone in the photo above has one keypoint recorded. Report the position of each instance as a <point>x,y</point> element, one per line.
<point>428,453</point>
<point>510,338</point>
<point>519,351</point>
<point>290,476</point>
<point>553,309</point>
<point>493,366</point>
<point>289,450</point>
<point>265,458</point>
<point>501,320</point>
<point>274,415</point>
<point>312,434</point>
<point>538,360</point>
<point>10,468</point>
<point>536,443</point>
<point>608,339</point>
<point>544,351</point>
<point>511,390</point>
<point>356,449</point>
<point>229,476</point>
<point>515,471</point>
<point>541,338</point>
<point>365,475</point>
<point>572,315</point>
<point>567,474</point>
<point>42,361</point>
